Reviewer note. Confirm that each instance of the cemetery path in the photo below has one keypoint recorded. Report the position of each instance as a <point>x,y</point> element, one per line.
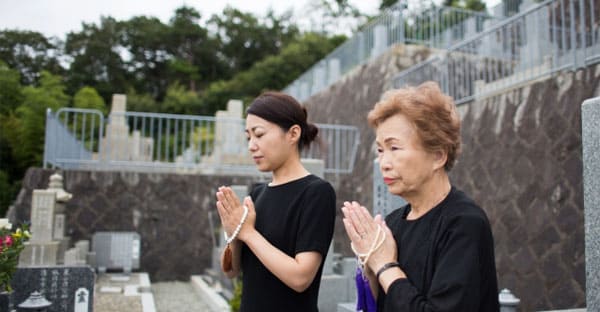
<point>177,296</point>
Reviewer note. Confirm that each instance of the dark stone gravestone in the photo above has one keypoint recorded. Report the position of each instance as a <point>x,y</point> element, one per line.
<point>70,289</point>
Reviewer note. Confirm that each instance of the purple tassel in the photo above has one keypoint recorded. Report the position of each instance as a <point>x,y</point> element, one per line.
<point>365,300</point>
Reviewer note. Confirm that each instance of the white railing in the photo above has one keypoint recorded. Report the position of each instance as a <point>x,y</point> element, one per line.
<point>133,141</point>
<point>552,36</point>
<point>438,27</point>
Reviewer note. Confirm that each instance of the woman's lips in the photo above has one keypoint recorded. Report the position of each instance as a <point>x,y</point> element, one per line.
<point>388,180</point>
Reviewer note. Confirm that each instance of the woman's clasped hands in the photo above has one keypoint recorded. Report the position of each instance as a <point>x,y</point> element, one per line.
<point>237,219</point>
<point>372,240</point>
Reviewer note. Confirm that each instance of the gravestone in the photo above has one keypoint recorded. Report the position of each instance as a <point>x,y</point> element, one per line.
<point>384,202</point>
<point>231,146</point>
<point>41,249</point>
<point>117,143</point>
<point>70,289</point>
<point>590,125</point>
<point>117,250</point>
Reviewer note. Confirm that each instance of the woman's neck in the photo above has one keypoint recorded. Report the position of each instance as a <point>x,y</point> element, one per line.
<point>430,195</point>
<point>289,171</point>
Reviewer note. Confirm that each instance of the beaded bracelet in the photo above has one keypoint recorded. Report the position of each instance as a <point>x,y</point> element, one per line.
<point>385,267</point>
<point>229,239</point>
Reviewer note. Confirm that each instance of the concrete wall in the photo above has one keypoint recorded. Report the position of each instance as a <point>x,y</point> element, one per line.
<point>169,211</point>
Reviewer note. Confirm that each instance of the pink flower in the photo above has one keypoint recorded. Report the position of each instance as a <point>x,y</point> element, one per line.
<point>8,240</point>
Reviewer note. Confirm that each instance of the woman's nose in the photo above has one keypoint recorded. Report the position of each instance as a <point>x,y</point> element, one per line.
<point>252,145</point>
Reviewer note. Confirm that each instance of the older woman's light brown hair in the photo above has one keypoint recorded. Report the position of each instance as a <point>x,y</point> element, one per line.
<point>432,113</point>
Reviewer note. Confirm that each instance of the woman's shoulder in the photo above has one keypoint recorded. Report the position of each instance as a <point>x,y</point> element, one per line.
<point>460,209</point>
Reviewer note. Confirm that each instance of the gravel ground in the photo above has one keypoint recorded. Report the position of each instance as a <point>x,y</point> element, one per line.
<point>176,297</point>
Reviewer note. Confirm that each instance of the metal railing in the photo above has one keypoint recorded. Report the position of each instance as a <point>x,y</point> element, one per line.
<point>133,141</point>
<point>552,36</point>
<point>438,27</point>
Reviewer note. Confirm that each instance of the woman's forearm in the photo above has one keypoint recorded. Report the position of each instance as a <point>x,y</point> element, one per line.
<point>297,273</point>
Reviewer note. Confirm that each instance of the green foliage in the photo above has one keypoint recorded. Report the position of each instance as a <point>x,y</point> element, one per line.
<point>88,98</point>
<point>11,245</point>
<point>11,94</point>
<point>272,73</point>
<point>236,301</point>
<point>6,194</point>
<point>29,53</point>
<point>245,39</point>
<point>474,5</point>
<point>179,101</point>
<point>386,4</point>
<point>141,102</point>
<point>28,144</point>
<point>95,59</point>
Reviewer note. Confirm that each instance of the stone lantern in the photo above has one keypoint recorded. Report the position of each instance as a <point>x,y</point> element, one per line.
<point>35,302</point>
<point>60,220</point>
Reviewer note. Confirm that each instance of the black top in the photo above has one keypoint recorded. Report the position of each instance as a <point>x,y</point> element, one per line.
<point>294,217</point>
<point>448,257</point>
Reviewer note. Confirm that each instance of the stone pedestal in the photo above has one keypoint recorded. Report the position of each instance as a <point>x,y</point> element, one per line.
<point>590,125</point>
<point>38,254</point>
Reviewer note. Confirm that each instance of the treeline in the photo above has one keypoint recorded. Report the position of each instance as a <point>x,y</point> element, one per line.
<point>181,67</point>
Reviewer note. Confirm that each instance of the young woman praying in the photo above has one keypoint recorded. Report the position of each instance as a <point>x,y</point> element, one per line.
<point>278,237</point>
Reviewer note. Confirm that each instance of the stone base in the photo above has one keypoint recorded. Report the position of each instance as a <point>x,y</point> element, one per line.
<point>63,245</point>
<point>39,254</point>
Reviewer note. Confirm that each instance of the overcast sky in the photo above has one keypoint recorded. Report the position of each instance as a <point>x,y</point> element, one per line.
<point>58,17</point>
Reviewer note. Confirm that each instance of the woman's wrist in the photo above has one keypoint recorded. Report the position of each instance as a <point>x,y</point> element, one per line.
<point>388,273</point>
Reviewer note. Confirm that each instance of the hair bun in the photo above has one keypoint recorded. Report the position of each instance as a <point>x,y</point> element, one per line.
<point>310,133</point>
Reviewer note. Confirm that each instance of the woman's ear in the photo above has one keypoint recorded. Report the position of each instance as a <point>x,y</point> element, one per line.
<point>439,159</point>
<point>294,133</point>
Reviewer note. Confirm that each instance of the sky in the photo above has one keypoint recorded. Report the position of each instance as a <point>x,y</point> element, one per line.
<point>55,18</point>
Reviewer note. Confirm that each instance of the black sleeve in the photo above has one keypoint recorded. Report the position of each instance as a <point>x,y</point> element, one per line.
<point>317,219</point>
<point>456,279</point>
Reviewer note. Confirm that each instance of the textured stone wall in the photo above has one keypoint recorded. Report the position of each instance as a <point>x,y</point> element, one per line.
<point>521,162</point>
<point>169,211</point>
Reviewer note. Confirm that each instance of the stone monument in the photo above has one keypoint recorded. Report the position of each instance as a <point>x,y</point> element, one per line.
<point>590,125</point>
<point>48,242</point>
<point>41,249</point>
<point>117,143</point>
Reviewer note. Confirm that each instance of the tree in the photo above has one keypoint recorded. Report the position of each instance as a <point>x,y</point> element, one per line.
<point>11,94</point>
<point>28,141</point>
<point>386,4</point>
<point>147,41</point>
<point>272,73</point>
<point>179,100</point>
<point>246,39</point>
<point>473,5</point>
<point>29,53</point>
<point>195,53</point>
<point>96,59</point>
<point>88,97</point>
<point>141,102</point>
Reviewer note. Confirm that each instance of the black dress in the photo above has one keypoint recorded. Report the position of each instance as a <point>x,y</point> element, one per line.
<point>294,217</point>
<point>448,257</point>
